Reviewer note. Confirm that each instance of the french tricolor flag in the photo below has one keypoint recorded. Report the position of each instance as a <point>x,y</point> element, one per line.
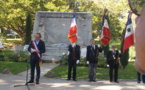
<point>105,33</point>
<point>72,34</point>
<point>129,34</point>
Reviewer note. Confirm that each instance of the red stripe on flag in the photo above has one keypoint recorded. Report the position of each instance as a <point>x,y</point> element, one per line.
<point>106,32</point>
<point>106,36</point>
<point>105,40</point>
<point>73,30</point>
<point>128,41</point>
<point>73,39</point>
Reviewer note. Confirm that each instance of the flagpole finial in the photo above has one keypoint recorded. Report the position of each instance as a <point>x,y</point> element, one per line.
<point>105,10</point>
<point>74,10</point>
<point>130,12</point>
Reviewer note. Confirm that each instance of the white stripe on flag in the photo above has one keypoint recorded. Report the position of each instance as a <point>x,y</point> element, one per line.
<point>129,33</point>
<point>73,23</point>
<point>106,23</point>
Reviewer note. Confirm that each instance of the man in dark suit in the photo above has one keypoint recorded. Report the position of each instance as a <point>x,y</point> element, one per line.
<point>113,63</point>
<point>73,59</point>
<point>92,59</point>
<point>34,58</point>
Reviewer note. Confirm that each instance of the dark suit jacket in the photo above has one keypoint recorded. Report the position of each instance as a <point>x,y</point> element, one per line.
<point>92,54</point>
<point>41,47</point>
<point>72,54</point>
<point>111,60</point>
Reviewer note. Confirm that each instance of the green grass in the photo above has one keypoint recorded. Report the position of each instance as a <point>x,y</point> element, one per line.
<point>102,73</point>
<point>14,67</point>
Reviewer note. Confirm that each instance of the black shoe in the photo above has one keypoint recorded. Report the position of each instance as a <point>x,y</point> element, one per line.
<point>37,82</point>
<point>30,81</point>
<point>67,79</point>
<point>138,81</point>
<point>111,81</point>
<point>143,82</point>
<point>116,81</point>
<point>90,80</point>
<point>94,80</point>
<point>74,79</point>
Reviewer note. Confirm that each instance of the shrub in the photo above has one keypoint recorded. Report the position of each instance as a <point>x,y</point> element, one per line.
<point>64,59</point>
<point>8,55</point>
<point>101,60</point>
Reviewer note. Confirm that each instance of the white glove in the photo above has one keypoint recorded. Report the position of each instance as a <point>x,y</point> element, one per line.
<point>87,62</point>
<point>78,61</point>
<point>68,53</point>
<point>119,52</point>
<point>98,46</point>
<point>107,65</point>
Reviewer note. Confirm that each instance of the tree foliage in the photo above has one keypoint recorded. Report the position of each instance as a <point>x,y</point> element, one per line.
<point>13,13</point>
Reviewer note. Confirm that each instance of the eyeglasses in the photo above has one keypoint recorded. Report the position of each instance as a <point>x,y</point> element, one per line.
<point>136,6</point>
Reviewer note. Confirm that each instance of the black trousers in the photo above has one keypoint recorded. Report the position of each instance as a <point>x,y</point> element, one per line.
<point>113,76</point>
<point>139,77</point>
<point>72,65</point>
<point>35,63</point>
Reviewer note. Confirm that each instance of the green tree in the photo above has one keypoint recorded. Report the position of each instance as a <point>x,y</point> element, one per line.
<point>28,29</point>
<point>13,13</point>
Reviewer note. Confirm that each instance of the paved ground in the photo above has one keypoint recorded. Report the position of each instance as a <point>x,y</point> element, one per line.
<point>7,82</point>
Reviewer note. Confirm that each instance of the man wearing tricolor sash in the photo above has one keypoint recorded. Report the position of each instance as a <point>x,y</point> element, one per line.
<point>36,48</point>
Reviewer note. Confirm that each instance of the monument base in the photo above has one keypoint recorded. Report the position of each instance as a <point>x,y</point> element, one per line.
<point>53,54</point>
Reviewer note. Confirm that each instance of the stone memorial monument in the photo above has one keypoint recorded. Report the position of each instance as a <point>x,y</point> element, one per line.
<point>54,27</point>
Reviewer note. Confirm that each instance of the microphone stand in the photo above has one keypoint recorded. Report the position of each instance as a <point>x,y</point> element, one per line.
<point>26,84</point>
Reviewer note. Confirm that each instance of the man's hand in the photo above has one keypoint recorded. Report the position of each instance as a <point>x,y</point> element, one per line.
<point>32,50</point>
<point>78,61</point>
<point>140,42</point>
<point>87,62</point>
<point>37,51</point>
<point>119,51</point>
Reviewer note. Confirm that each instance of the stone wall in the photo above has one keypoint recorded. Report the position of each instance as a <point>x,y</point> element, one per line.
<point>54,27</point>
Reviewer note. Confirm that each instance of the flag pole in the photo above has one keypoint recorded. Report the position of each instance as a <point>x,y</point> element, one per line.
<point>129,16</point>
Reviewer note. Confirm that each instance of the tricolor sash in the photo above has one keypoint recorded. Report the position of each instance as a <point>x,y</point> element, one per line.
<point>38,54</point>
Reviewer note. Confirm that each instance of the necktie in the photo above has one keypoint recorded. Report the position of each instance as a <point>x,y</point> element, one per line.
<point>74,56</point>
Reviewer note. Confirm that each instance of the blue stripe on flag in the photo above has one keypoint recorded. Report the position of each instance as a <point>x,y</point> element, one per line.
<point>74,15</point>
<point>104,17</point>
<point>129,21</point>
